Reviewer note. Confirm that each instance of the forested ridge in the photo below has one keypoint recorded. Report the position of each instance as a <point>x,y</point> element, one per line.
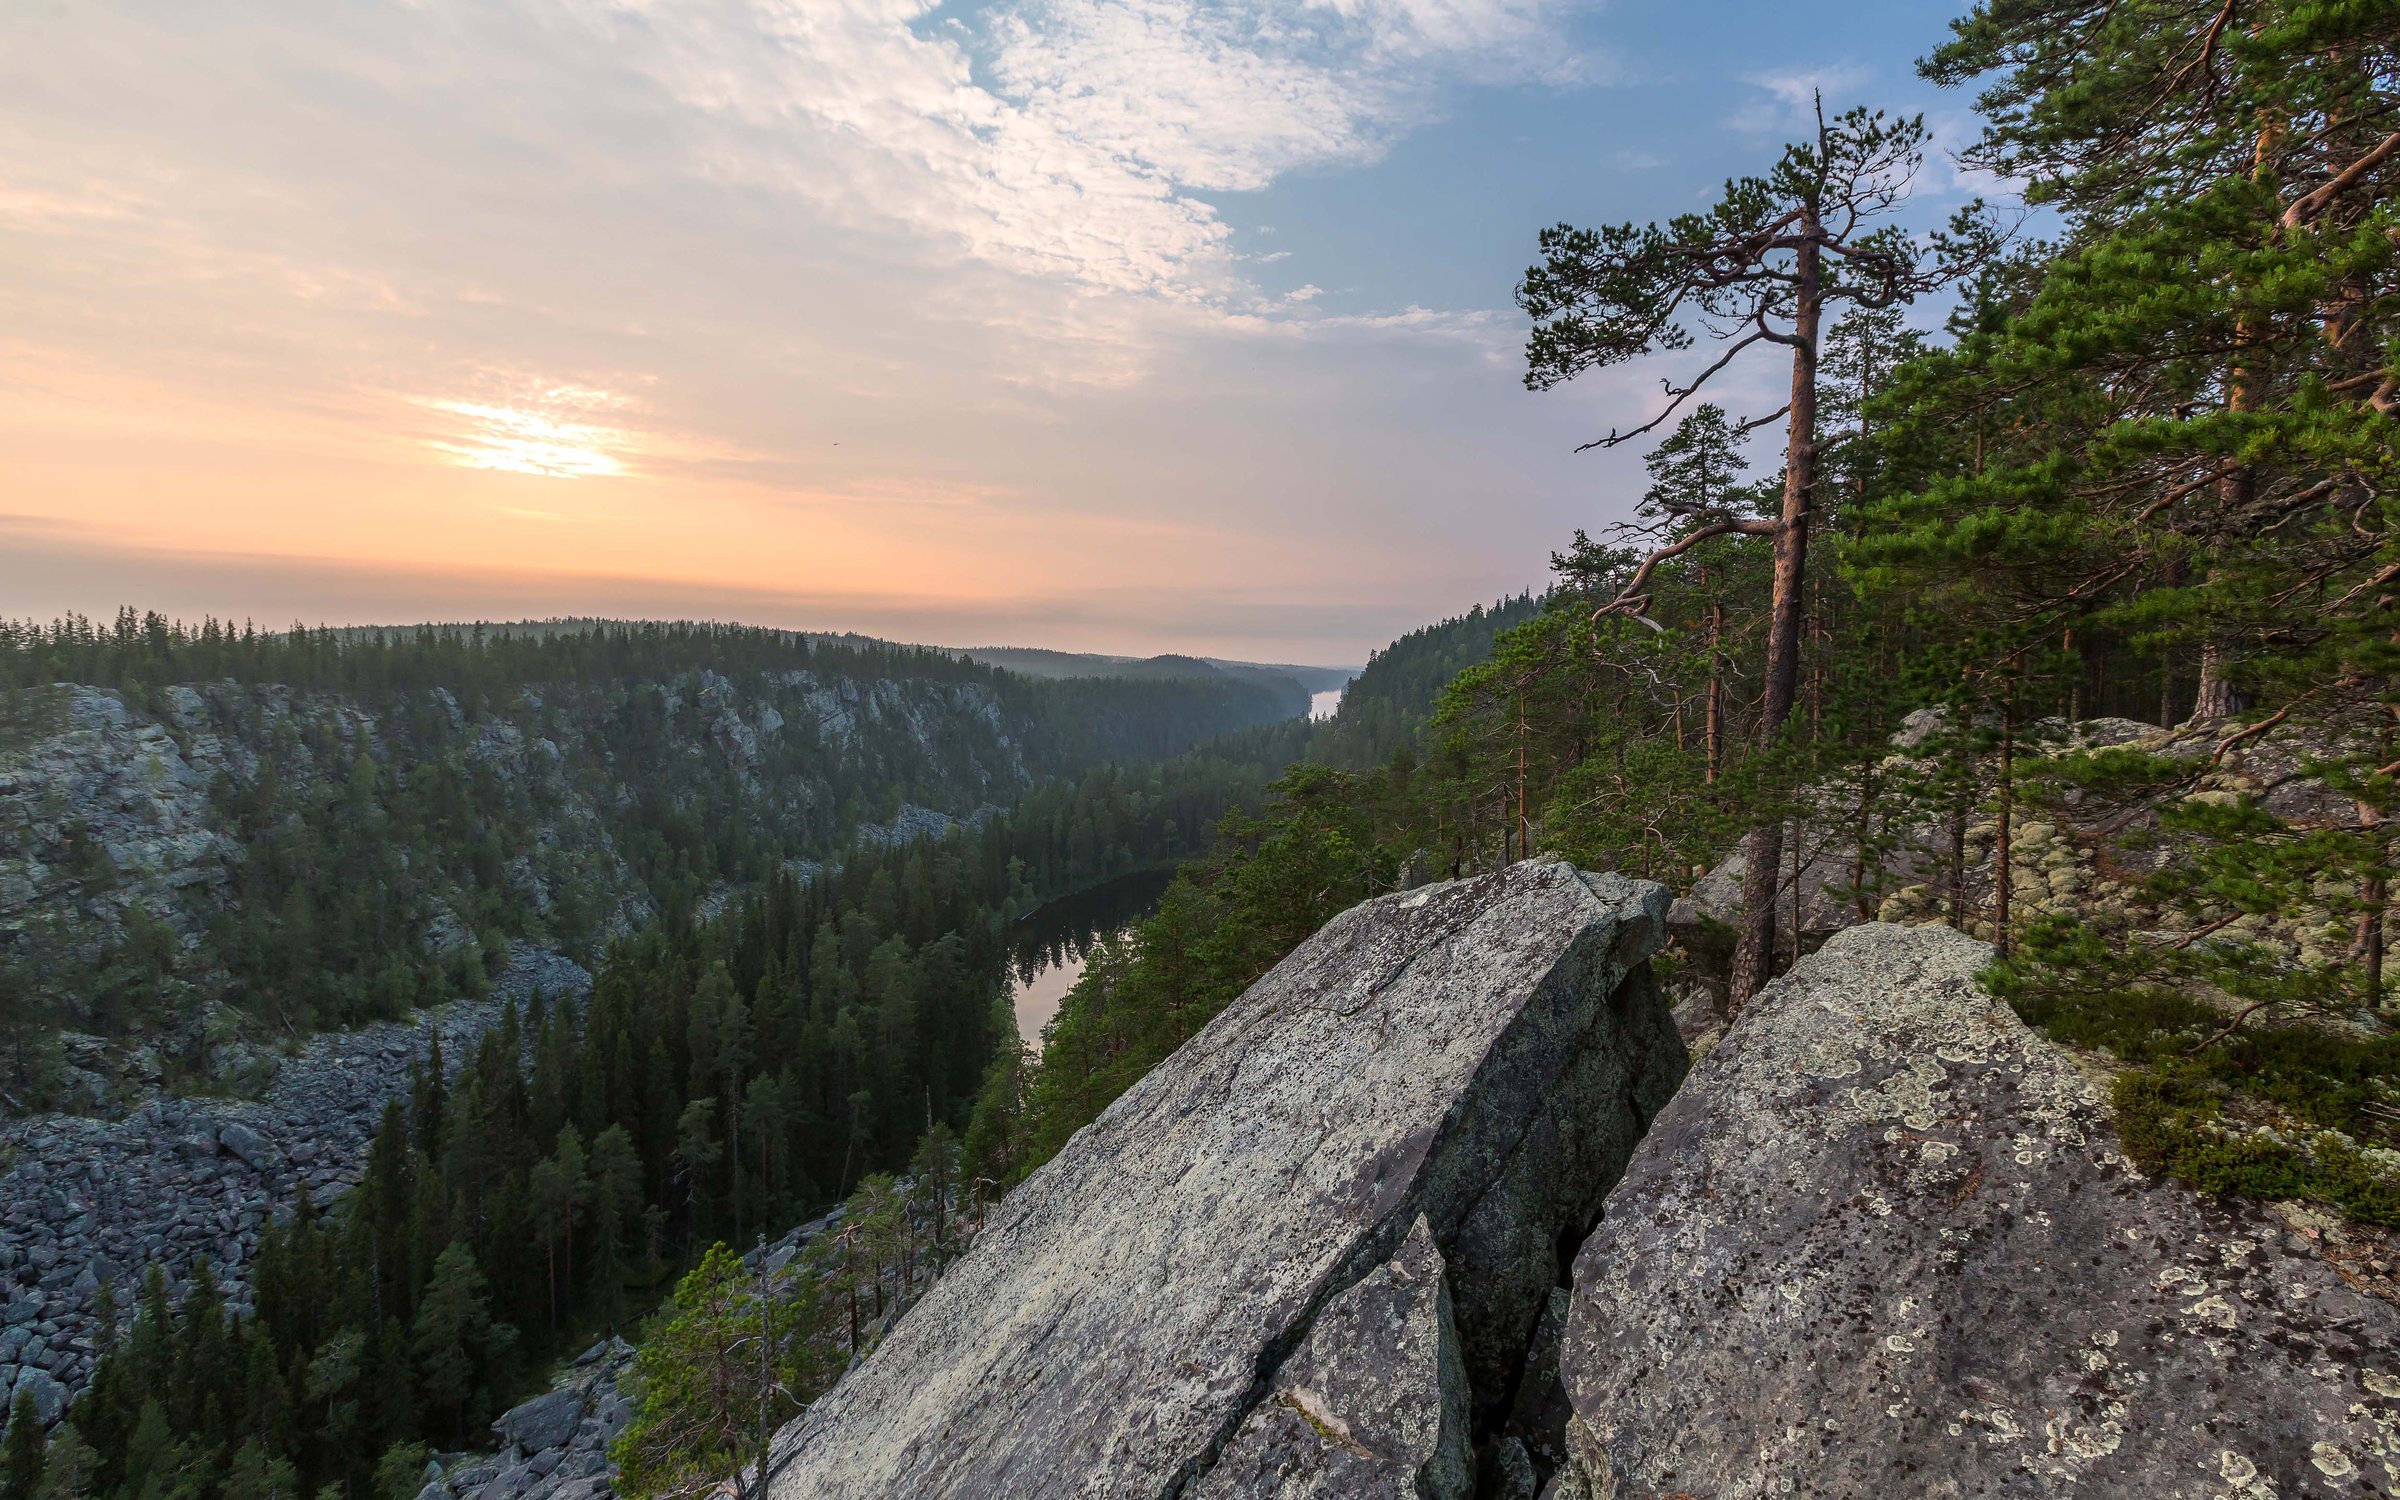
<point>214,827</point>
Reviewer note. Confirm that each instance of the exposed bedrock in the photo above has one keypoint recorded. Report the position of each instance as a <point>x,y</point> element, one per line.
<point>1305,1254</point>
<point>1884,1242</point>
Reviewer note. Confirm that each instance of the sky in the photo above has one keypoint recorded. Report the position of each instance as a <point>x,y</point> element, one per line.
<point>1112,325</point>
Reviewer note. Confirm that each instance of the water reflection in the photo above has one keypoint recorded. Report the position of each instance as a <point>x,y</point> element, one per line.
<point>1321,705</point>
<point>1053,942</point>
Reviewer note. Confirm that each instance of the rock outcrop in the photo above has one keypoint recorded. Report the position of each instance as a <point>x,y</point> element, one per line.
<point>1237,1238</point>
<point>1374,1403</point>
<point>1885,1242</point>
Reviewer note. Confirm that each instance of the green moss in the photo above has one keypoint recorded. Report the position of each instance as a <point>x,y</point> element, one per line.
<point>2173,1120</point>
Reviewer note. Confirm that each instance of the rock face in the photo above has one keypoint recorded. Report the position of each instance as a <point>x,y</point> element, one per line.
<point>1374,1403</point>
<point>1477,1057</point>
<point>120,804</point>
<point>1884,1242</point>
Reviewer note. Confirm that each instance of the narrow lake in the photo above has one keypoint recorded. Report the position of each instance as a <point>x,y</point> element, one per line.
<point>1321,705</point>
<point>1053,941</point>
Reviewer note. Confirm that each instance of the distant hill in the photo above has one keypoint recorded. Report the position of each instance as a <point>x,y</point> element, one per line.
<point>325,826</point>
<point>1387,704</point>
<point>1027,661</point>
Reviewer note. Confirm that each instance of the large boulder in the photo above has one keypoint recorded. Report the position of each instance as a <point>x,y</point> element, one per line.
<point>1885,1242</point>
<point>1480,1055</point>
<point>547,1421</point>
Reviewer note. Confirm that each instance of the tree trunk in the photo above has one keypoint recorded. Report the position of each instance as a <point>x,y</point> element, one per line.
<point>2377,896</point>
<point>2245,386</point>
<point>1762,850</point>
<point>2000,867</point>
<point>2217,698</point>
<point>1958,859</point>
<point>1716,691</point>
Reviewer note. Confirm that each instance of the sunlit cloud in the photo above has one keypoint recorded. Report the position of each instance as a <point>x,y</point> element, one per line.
<point>517,441</point>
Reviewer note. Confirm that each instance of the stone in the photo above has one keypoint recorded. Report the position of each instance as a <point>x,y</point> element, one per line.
<point>1374,1402</point>
<point>1480,1054</point>
<point>245,1145</point>
<point>181,1179</point>
<point>49,1397</point>
<point>547,1421</point>
<point>1885,1242</point>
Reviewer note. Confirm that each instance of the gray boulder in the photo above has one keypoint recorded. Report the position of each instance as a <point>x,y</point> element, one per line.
<point>1481,1055</point>
<point>246,1145</point>
<point>1374,1403</point>
<point>49,1397</point>
<point>547,1421</point>
<point>1885,1242</point>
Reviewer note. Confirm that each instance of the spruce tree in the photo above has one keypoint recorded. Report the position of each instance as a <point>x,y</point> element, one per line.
<point>23,1451</point>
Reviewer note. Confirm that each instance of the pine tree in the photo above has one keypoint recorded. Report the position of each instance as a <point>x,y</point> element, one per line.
<point>456,1344</point>
<point>1766,264</point>
<point>69,1466</point>
<point>25,1450</point>
<point>708,1383</point>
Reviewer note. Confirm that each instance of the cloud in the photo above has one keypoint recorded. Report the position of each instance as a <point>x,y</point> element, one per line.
<point>853,297</point>
<point>1077,139</point>
<point>1791,103</point>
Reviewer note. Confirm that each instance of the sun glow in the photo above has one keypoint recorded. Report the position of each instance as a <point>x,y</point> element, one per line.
<point>554,443</point>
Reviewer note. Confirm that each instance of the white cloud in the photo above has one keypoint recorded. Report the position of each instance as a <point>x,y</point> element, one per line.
<point>1069,139</point>
<point>1791,102</point>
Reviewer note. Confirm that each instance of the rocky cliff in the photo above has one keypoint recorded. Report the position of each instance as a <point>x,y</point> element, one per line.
<point>1885,1241</point>
<point>539,816</point>
<point>1350,1240</point>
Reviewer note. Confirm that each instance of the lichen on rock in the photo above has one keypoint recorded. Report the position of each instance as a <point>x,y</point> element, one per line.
<point>1885,1242</point>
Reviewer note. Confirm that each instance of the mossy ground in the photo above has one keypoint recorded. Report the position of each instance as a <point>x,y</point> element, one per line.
<point>2269,1111</point>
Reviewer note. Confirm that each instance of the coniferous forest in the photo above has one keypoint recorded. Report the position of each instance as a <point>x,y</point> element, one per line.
<point>2055,596</point>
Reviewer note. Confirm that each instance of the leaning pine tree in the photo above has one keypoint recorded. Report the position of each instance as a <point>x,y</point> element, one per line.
<point>1763,267</point>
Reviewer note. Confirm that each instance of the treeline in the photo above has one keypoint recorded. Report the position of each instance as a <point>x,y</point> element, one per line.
<point>1071,723</point>
<point>1383,707</point>
<point>726,1078</point>
<point>147,649</point>
<point>2148,470</point>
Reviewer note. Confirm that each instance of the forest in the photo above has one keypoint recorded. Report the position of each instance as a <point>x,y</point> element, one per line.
<point>2056,600</point>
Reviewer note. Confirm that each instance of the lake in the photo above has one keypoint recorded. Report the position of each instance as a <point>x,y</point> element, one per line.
<point>1321,705</point>
<point>1052,942</point>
